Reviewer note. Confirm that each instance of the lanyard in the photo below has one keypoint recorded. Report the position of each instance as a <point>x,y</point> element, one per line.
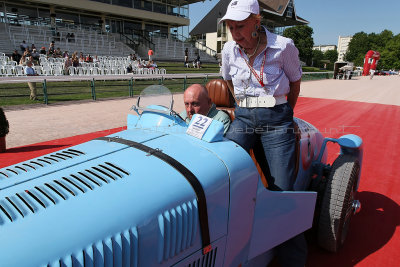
<point>259,78</point>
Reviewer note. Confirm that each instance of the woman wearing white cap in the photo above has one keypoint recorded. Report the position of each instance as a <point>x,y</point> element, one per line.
<point>263,70</point>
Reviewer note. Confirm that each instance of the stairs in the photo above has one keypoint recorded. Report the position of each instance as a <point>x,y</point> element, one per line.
<point>167,49</point>
<point>88,42</point>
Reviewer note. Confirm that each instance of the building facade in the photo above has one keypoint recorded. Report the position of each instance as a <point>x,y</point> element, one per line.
<point>324,48</point>
<point>115,16</point>
<point>343,46</point>
<point>276,16</point>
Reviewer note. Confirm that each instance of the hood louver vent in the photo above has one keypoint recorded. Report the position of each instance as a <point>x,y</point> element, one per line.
<point>43,196</point>
<point>40,162</point>
<point>178,229</point>
<point>119,250</point>
<point>207,260</point>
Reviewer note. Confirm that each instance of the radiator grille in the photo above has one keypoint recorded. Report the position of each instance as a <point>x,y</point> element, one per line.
<point>177,229</point>
<point>40,162</point>
<point>42,196</point>
<point>118,250</point>
<point>207,260</point>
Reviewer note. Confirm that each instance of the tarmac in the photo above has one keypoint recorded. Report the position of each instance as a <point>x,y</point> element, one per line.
<point>39,123</point>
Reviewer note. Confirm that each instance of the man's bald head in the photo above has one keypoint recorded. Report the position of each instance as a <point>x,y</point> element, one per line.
<point>196,100</point>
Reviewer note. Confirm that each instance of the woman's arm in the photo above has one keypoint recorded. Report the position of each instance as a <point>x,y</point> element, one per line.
<point>293,93</point>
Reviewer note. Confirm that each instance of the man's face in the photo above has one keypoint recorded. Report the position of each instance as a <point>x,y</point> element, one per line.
<point>196,102</point>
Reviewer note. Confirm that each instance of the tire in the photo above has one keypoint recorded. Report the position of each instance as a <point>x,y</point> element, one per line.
<point>337,203</point>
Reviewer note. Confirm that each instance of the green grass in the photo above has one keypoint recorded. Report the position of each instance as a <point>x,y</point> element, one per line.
<point>177,67</point>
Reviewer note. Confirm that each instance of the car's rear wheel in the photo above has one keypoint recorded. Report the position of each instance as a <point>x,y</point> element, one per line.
<point>338,203</point>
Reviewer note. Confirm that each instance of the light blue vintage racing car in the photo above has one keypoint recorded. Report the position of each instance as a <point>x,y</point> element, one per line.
<point>164,194</point>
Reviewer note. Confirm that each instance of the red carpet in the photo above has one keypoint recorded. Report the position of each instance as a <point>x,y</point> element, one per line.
<point>374,236</point>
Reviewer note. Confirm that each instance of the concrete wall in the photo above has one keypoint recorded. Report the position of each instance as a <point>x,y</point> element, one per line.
<point>211,40</point>
<point>115,10</point>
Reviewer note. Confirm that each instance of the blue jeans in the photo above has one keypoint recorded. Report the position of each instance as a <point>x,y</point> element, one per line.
<point>275,129</point>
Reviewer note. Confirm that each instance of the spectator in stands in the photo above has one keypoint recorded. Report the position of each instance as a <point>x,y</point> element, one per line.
<point>150,53</point>
<point>151,65</point>
<point>27,52</point>
<point>65,54</point>
<point>29,71</point>
<point>34,61</point>
<point>42,50</point>
<point>72,38</point>
<point>23,60</point>
<point>16,56</point>
<point>23,46</point>
<point>89,59</point>
<point>33,47</point>
<point>75,60</point>
<point>81,58</point>
<point>58,52</point>
<point>67,64</point>
<point>35,54</point>
<point>129,69</point>
<point>95,59</point>
<point>51,50</point>
<point>68,36</point>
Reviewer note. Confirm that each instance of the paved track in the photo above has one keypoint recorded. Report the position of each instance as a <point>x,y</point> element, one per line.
<point>29,125</point>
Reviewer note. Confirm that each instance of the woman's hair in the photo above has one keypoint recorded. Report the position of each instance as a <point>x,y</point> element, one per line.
<point>256,16</point>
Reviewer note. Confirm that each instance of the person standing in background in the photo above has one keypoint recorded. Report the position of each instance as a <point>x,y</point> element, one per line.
<point>186,64</point>
<point>150,53</point>
<point>29,71</point>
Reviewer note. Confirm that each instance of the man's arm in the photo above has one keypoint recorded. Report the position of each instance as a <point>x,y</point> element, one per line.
<point>293,93</point>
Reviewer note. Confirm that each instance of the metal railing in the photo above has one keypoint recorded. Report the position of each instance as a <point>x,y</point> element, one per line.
<point>109,87</point>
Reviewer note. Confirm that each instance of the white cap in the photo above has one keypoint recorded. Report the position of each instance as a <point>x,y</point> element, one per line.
<point>239,10</point>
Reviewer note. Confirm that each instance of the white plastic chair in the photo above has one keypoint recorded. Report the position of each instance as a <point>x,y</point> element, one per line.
<point>57,71</point>
<point>19,70</point>
<point>8,70</point>
<point>72,70</point>
<point>95,71</point>
<point>38,70</point>
<point>46,70</point>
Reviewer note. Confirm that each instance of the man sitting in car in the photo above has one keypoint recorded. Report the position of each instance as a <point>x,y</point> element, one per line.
<point>197,101</point>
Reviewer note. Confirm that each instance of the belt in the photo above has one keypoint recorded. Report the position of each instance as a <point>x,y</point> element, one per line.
<point>262,101</point>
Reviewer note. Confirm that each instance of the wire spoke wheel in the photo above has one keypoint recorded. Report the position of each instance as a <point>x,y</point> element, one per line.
<point>337,203</point>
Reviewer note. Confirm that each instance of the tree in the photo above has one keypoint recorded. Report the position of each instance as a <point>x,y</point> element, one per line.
<point>390,55</point>
<point>302,38</point>
<point>358,47</point>
<point>317,56</point>
<point>331,55</point>
<point>385,43</point>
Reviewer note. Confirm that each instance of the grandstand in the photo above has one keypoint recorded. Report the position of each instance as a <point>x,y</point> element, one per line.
<point>102,27</point>
<point>105,65</point>
<point>88,41</point>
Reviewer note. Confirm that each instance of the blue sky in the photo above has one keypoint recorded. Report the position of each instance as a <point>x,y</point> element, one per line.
<point>331,18</point>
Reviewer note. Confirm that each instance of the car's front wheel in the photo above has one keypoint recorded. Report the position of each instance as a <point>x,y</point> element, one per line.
<point>338,203</point>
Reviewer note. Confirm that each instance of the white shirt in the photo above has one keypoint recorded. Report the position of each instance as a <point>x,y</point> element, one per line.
<point>282,66</point>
